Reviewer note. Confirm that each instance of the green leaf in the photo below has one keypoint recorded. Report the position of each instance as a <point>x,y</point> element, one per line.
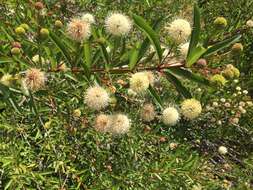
<point>178,85</point>
<point>189,75</point>
<point>195,55</point>
<point>221,45</point>
<point>195,30</point>
<point>156,97</point>
<point>134,56</point>
<point>61,46</point>
<point>87,54</point>
<point>146,43</point>
<point>151,34</point>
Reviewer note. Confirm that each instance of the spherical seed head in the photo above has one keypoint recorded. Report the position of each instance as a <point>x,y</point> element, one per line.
<point>38,5</point>
<point>25,26</point>
<point>237,48</point>
<point>220,23</point>
<point>249,23</point>
<point>184,49</point>
<point>139,82</point>
<point>228,73</point>
<point>118,24</point>
<point>20,30</point>
<point>78,30</point>
<point>191,108</point>
<point>148,113</point>
<point>202,62</point>
<point>35,79</point>
<point>77,113</point>
<point>102,123</point>
<point>89,18</point>
<point>58,24</point>
<point>120,124</point>
<point>223,150</point>
<point>44,32</point>
<point>15,51</point>
<point>96,98</point>
<point>218,80</point>
<point>6,79</point>
<point>179,30</point>
<point>170,116</point>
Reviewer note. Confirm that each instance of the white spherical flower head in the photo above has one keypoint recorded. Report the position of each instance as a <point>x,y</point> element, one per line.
<point>78,29</point>
<point>96,98</point>
<point>191,108</point>
<point>35,79</point>
<point>179,30</point>
<point>223,150</point>
<point>148,113</point>
<point>170,116</point>
<point>118,24</point>
<point>102,123</point>
<point>120,124</point>
<point>249,23</point>
<point>89,18</point>
<point>184,49</point>
<point>139,82</point>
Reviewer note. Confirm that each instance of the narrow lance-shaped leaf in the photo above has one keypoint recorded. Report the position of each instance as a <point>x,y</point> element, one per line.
<point>221,45</point>
<point>87,54</point>
<point>178,85</point>
<point>61,46</point>
<point>156,97</point>
<point>134,56</point>
<point>195,30</point>
<point>195,55</point>
<point>189,75</point>
<point>151,34</point>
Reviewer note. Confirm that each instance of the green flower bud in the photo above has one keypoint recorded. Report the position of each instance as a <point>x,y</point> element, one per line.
<point>236,73</point>
<point>58,24</point>
<point>218,80</point>
<point>20,30</point>
<point>237,48</point>
<point>77,113</point>
<point>15,51</point>
<point>25,26</point>
<point>44,32</point>
<point>220,23</point>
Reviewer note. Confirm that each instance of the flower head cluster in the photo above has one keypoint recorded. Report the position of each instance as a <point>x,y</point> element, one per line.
<point>120,124</point>
<point>102,123</point>
<point>78,29</point>
<point>148,113</point>
<point>139,82</point>
<point>115,124</point>
<point>191,108</point>
<point>118,24</point>
<point>179,30</point>
<point>35,79</point>
<point>184,49</point>
<point>89,18</point>
<point>170,116</point>
<point>96,98</point>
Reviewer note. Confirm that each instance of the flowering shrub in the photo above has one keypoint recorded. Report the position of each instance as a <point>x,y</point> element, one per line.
<point>79,92</point>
